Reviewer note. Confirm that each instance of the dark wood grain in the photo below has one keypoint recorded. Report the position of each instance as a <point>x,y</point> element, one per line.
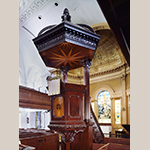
<point>41,140</point>
<point>30,98</point>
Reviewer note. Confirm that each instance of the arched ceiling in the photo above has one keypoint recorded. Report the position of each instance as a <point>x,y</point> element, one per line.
<point>108,55</point>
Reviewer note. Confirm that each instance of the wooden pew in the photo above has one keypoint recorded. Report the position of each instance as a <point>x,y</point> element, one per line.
<point>23,147</point>
<point>113,146</point>
<point>96,146</point>
<point>123,141</point>
<point>41,139</point>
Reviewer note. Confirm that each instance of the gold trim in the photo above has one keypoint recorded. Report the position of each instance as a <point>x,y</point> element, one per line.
<point>101,26</point>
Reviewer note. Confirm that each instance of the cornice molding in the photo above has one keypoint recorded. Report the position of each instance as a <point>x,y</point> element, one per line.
<point>116,96</point>
<point>30,10</point>
<point>101,76</point>
<point>108,71</point>
<point>101,73</point>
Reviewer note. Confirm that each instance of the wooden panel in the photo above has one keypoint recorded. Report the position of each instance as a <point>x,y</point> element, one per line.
<point>74,106</point>
<point>30,98</point>
<point>58,107</point>
<point>31,142</point>
<point>40,141</point>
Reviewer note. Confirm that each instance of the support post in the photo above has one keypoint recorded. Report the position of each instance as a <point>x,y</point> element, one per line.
<point>88,134</point>
<point>86,65</point>
<point>67,146</point>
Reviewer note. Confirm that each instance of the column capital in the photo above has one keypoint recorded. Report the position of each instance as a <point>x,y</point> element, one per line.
<point>86,63</point>
<point>64,69</point>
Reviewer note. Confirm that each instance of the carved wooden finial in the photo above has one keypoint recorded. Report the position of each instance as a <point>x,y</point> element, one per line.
<point>66,16</point>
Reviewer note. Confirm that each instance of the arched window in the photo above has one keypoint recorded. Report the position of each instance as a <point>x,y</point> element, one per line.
<point>104,107</point>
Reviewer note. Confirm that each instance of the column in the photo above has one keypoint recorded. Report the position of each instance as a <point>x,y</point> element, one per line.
<point>88,133</point>
<point>123,101</point>
<point>128,94</point>
<point>86,64</point>
<point>113,112</point>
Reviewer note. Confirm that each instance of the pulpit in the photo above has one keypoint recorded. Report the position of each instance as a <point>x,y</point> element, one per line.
<point>67,111</point>
<point>69,46</point>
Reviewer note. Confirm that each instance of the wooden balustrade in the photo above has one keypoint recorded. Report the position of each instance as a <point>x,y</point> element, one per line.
<point>98,136</point>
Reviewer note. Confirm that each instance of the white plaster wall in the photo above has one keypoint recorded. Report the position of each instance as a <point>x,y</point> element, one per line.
<point>106,129</point>
<point>47,119</point>
<point>32,120</point>
<point>42,119</point>
<point>24,113</point>
<point>32,70</point>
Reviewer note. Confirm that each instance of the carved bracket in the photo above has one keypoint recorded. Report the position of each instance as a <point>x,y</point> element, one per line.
<point>67,132</point>
<point>68,136</point>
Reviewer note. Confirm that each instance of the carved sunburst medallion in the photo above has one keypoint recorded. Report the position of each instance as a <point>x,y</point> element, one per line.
<point>65,59</point>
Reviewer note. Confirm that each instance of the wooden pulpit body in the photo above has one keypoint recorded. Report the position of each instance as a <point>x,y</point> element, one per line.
<point>67,112</point>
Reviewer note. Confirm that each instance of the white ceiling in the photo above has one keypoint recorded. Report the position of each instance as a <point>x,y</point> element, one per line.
<point>31,67</point>
<point>81,11</point>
